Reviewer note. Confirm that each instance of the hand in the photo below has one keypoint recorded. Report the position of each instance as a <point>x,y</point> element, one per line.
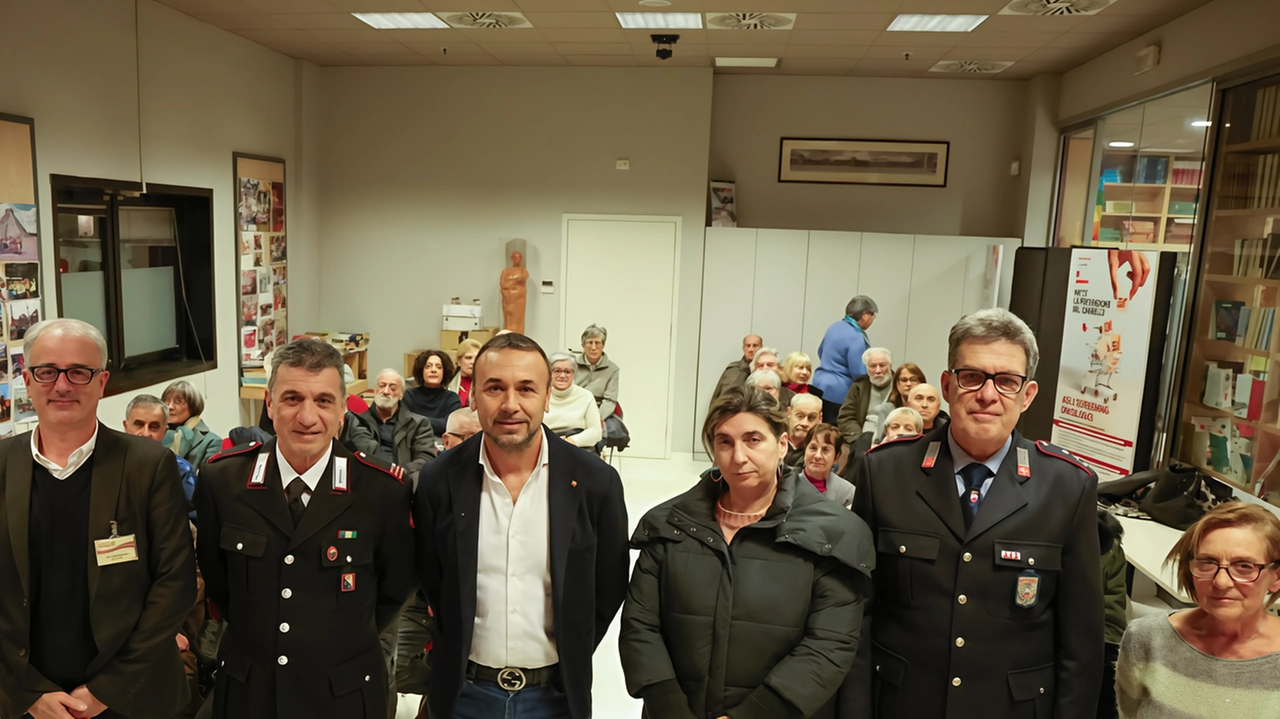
<point>183,644</point>
<point>1139,270</point>
<point>54,705</point>
<point>86,697</point>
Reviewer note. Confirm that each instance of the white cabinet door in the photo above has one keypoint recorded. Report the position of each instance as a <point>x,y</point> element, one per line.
<point>777,314</point>
<point>832,280</point>
<point>728,265</point>
<point>885,275</point>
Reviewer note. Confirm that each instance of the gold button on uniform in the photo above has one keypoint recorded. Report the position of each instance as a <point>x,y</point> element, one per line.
<point>968,557</point>
<point>962,599</point>
<point>959,641</point>
<point>955,682</point>
<point>288,559</point>
<point>1031,561</point>
<point>902,549</point>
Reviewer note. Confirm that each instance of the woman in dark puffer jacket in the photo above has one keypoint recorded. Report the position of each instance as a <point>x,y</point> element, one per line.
<point>747,597</point>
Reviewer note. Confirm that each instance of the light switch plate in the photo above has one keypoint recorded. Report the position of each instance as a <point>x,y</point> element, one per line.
<point>623,164</point>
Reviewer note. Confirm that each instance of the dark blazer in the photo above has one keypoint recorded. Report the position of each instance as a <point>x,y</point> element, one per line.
<point>301,640</point>
<point>589,561</point>
<point>136,608</point>
<point>947,604</point>
<point>734,375</point>
<point>853,412</point>
<point>413,438</point>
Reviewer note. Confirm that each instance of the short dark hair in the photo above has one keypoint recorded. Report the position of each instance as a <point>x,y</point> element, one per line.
<point>420,364</point>
<point>513,341</point>
<point>742,399</point>
<point>308,354</point>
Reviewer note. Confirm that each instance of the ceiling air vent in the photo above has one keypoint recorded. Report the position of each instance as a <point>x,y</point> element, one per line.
<point>1055,7</point>
<point>750,20</point>
<point>970,66</point>
<point>486,20</point>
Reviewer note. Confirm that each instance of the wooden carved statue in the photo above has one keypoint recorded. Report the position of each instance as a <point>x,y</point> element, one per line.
<point>513,285</point>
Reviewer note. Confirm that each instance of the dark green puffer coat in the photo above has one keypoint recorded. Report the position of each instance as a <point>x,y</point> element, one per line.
<point>764,628</point>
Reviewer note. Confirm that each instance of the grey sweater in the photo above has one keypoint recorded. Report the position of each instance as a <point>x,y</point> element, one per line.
<point>1161,676</point>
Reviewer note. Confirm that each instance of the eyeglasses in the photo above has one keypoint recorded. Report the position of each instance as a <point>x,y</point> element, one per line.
<point>562,372</point>
<point>48,374</point>
<point>972,380</point>
<point>1238,571</point>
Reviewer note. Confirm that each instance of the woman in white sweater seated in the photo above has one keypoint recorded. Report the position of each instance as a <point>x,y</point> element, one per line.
<point>1221,659</point>
<point>573,413</point>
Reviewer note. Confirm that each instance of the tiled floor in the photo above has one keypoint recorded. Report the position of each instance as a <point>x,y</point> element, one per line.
<point>647,483</point>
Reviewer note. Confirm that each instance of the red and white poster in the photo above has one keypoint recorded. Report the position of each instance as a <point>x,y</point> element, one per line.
<point>1105,338</point>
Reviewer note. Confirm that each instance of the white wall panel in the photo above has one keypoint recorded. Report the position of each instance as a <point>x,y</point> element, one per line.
<point>781,265</point>
<point>729,260</point>
<point>885,275</point>
<point>941,268</point>
<point>832,280</point>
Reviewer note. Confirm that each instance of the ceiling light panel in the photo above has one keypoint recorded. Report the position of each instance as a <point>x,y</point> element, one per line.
<point>660,20</point>
<point>746,62</point>
<point>936,23</point>
<point>401,20</point>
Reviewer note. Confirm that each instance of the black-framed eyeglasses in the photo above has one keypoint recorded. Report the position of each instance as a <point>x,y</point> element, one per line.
<point>48,374</point>
<point>1238,571</point>
<point>1006,383</point>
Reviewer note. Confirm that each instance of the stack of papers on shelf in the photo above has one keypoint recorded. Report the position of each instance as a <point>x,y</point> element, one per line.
<point>254,376</point>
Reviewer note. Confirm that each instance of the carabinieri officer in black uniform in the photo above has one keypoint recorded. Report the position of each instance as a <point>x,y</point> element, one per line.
<point>988,586</point>
<point>307,553</point>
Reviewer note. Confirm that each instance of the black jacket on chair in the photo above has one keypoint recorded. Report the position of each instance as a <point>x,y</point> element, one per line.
<point>588,552</point>
<point>136,607</point>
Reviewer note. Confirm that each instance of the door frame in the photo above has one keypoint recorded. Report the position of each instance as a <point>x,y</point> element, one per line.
<point>565,219</point>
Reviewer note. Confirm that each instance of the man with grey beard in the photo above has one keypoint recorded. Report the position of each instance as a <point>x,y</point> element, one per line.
<point>403,437</point>
<point>867,391</point>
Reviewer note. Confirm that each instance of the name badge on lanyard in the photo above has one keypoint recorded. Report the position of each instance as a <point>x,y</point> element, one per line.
<point>258,480</point>
<point>339,474</point>
<point>1024,462</point>
<point>931,456</point>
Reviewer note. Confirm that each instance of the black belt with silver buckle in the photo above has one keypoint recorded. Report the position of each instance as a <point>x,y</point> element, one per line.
<point>513,679</point>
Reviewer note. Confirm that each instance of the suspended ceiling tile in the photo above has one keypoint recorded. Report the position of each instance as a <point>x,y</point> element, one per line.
<point>687,37</point>
<point>367,34</point>
<point>562,5</point>
<point>809,63</point>
<point>1029,40</point>
<point>904,66</point>
<point>1123,23</point>
<point>437,35</point>
<point>749,37</point>
<point>270,36</point>
<point>373,48</point>
<point>987,54</point>
<point>379,5</point>
<point>1101,41</point>
<point>953,7</point>
<point>467,60</point>
<point>519,48</point>
<point>297,49</point>
<point>603,60</point>
<point>290,6</point>
<point>598,20</point>
<point>843,21</point>
<point>244,22</point>
<point>746,50</point>
<point>1154,7</point>
<point>684,60</point>
<point>833,37</point>
<point>680,50</point>
<point>922,52</point>
<point>919,39</point>
<point>320,21</point>
<point>334,60</point>
<point>434,49</point>
<point>503,35</point>
<point>592,48</point>
<point>533,60</point>
<point>585,36</point>
<point>850,6</point>
<point>826,51</point>
<point>443,6</point>
<point>1028,70</point>
<point>1073,55</point>
<point>410,60</point>
<point>210,7</point>
<point>1026,23</point>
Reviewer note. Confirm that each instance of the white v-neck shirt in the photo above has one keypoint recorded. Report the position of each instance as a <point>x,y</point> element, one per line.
<point>514,625</point>
<point>75,460</point>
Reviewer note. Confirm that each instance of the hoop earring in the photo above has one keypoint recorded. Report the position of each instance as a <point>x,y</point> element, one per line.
<point>716,476</point>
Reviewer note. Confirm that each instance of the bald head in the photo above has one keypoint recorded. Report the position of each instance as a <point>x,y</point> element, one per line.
<point>924,398</point>
<point>804,414</point>
<point>750,344</point>
<point>462,423</point>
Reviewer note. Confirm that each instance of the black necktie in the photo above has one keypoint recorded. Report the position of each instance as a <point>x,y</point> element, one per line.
<point>296,490</point>
<point>973,475</point>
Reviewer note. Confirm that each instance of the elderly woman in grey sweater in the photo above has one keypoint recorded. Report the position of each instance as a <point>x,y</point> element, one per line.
<point>597,373</point>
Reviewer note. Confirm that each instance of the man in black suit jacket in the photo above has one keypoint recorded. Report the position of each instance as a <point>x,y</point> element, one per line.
<point>306,552</point>
<point>518,616</point>
<point>97,569</point>
<point>988,584</point>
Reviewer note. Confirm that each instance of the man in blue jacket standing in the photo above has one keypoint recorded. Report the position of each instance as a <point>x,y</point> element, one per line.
<point>840,354</point>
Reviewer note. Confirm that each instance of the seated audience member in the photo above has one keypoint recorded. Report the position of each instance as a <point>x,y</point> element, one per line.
<point>925,400</point>
<point>797,370</point>
<point>466,356</point>
<point>462,424</point>
<point>597,373</point>
<point>1221,658</point>
<point>819,465</point>
<point>188,436</point>
<point>803,415</point>
<point>403,437</point>
<point>901,422</point>
<point>788,641</point>
<point>766,381</point>
<point>767,359</point>
<point>148,416</point>
<point>572,412</point>
<point>432,369</point>
<point>906,376</point>
<point>735,375</point>
<point>867,391</point>
<point>1115,593</point>
<point>357,435</point>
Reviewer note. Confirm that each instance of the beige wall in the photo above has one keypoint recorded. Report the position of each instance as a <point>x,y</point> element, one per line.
<point>428,172</point>
<point>1218,37</point>
<point>982,119</point>
<point>204,93</point>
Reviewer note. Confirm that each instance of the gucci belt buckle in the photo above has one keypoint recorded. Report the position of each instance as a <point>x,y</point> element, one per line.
<point>511,679</point>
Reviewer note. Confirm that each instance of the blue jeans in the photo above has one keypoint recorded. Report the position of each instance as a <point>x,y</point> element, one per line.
<point>487,700</point>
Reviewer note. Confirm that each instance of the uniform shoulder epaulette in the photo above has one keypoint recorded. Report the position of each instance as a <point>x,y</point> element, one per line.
<point>896,440</point>
<point>1056,452</point>
<point>233,451</point>
<point>395,470</point>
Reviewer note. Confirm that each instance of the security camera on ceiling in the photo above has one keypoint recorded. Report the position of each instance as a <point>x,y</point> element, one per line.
<point>664,43</point>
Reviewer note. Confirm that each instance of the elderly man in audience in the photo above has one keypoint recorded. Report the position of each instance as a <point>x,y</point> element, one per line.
<point>572,413</point>
<point>819,465</point>
<point>189,437</point>
<point>462,424</point>
<point>597,373</point>
<point>735,375</point>
<point>924,398</point>
<point>767,381</point>
<point>768,358</point>
<point>870,390</point>
<point>902,422</point>
<point>804,413</point>
<point>404,438</point>
<point>148,416</point>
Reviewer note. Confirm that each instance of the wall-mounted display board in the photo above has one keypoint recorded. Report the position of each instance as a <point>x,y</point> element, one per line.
<point>262,266</point>
<point>20,280</point>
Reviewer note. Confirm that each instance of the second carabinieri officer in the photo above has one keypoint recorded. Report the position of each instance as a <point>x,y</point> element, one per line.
<point>307,553</point>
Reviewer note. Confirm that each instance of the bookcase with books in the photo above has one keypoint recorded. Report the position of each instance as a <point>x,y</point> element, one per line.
<point>1230,411</point>
<point>1149,198</point>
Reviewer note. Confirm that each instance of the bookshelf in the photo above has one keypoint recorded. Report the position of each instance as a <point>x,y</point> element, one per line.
<point>1229,417</point>
<point>1149,198</point>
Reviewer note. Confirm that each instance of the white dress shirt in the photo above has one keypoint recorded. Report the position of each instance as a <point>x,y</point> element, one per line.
<point>514,625</point>
<point>75,460</point>
<point>311,476</point>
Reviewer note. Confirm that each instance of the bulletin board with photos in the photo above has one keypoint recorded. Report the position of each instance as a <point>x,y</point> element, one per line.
<point>262,265</point>
<point>19,267</point>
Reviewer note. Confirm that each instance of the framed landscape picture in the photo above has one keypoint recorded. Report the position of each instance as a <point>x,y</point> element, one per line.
<point>863,162</point>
